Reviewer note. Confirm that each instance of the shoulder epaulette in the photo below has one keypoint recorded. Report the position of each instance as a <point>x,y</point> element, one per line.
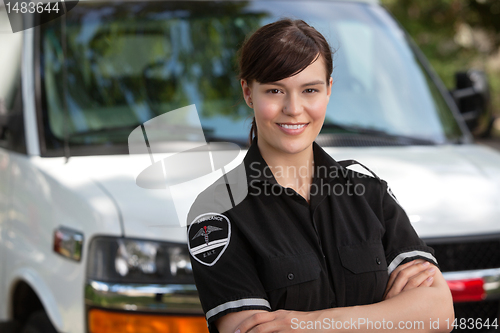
<point>347,163</point>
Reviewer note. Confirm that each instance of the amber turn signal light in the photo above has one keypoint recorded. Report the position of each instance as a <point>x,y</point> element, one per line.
<point>101,321</point>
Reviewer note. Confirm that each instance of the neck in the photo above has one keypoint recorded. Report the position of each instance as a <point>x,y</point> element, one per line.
<point>290,170</point>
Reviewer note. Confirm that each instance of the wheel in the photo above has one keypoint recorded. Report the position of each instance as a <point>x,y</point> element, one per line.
<point>38,322</point>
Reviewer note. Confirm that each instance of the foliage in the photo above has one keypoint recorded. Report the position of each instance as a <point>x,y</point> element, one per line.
<point>455,35</point>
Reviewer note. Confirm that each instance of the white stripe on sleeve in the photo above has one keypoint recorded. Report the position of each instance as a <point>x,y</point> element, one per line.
<point>238,304</point>
<point>402,256</point>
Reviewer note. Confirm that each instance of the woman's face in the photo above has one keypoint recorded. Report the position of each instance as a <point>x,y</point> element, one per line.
<point>289,113</point>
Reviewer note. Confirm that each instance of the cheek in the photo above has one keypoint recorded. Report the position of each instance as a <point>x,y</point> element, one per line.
<point>266,111</point>
<point>318,109</point>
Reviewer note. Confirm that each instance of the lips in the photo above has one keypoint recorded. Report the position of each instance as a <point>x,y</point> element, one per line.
<point>292,126</point>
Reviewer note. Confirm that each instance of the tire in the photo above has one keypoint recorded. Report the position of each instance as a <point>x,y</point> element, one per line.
<point>38,322</point>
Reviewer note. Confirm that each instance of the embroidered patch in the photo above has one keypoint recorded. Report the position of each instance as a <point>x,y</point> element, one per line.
<point>208,237</point>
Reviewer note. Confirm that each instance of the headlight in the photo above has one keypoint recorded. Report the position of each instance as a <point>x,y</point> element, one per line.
<point>113,259</point>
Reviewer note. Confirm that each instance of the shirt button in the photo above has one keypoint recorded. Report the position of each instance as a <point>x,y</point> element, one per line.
<point>290,276</point>
<point>378,261</point>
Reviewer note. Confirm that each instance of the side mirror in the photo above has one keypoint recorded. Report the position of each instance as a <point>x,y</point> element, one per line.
<point>472,96</point>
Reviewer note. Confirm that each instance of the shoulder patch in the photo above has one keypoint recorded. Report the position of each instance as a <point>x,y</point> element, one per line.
<point>208,237</point>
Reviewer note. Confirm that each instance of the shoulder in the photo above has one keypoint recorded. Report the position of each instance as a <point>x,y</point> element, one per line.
<point>367,179</point>
<point>328,168</point>
<point>223,195</point>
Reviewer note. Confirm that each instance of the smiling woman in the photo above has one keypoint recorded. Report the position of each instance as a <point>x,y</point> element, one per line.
<point>311,249</point>
<point>276,72</point>
<point>289,113</point>
<point>289,103</point>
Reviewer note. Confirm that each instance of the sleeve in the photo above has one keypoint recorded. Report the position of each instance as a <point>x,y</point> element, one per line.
<point>224,269</point>
<point>401,241</point>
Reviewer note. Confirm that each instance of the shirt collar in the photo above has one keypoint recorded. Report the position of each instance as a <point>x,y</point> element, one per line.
<point>325,167</point>
<point>257,168</point>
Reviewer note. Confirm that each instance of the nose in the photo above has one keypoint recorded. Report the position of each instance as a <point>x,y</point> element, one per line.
<point>293,105</point>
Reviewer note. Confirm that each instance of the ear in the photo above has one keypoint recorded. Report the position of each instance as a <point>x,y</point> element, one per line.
<point>247,92</point>
<point>329,88</point>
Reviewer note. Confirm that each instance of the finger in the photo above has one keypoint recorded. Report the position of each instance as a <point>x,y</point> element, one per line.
<point>417,280</point>
<point>400,268</point>
<point>255,320</point>
<point>268,327</point>
<point>404,276</point>
<point>396,272</point>
<point>410,278</point>
<point>278,323</point>
<point>428,282</point>
<point>407,273</point>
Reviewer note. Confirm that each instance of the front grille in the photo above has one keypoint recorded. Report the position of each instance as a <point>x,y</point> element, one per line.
<point>467,255</point>
<point>482,310</point>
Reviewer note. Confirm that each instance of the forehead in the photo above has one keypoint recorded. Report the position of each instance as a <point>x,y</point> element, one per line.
<point>315,71</point>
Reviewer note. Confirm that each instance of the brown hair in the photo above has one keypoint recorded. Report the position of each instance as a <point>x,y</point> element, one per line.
<point>282,49</point>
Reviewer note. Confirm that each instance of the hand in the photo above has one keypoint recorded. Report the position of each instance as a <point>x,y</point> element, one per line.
<point>413,274</point>
<point>275,321</point>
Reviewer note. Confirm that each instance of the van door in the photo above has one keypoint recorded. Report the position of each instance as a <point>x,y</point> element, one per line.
<point>11,135</point>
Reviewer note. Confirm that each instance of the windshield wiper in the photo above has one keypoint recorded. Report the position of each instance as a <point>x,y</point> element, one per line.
<point>208,133</point>
<point>110,129</point>
<point>401,139</point>
<point>103,130</point>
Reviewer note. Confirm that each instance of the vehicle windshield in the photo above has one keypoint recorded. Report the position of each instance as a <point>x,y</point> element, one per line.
<point>109,67</point>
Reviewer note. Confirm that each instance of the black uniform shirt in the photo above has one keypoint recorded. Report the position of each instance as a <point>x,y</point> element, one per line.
<point>274,250</point>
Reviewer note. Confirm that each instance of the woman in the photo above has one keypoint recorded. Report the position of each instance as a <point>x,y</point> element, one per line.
<point>312,245</point>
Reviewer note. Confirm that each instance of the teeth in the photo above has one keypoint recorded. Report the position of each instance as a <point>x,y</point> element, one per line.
<point>292,126</point>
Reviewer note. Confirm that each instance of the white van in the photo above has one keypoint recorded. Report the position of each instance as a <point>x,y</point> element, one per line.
<point>80,251</point>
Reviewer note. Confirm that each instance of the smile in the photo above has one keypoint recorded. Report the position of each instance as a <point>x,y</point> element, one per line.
<point>287,126</point>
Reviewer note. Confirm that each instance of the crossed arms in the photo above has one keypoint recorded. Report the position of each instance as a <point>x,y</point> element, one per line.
<point>416,292</point>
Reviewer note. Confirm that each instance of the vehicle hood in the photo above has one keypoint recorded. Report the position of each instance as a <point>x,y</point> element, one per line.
<point>144,213</point>
<point>447,190</point>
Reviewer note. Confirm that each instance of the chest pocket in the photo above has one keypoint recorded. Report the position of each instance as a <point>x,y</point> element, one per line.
<point>291,282</point>
<point>365,272</point>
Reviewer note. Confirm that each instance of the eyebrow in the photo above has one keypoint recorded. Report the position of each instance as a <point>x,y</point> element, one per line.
<point>312,83</point>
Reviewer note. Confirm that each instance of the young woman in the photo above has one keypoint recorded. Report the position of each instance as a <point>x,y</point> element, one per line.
<point>313,246</point>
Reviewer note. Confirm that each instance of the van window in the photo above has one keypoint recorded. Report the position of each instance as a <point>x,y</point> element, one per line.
<point>127,63</point>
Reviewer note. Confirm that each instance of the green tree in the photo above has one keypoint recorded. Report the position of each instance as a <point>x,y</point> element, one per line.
<point>455,35</point>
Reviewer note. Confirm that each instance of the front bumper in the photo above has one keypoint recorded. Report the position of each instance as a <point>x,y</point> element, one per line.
<point>168,298</point>
<point>490,282</point>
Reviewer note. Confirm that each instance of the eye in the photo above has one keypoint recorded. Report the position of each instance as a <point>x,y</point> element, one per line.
<point>274,91</point>
<point>311,90</point>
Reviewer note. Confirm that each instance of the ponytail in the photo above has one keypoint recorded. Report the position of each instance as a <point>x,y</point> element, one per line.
<point>253,132</point>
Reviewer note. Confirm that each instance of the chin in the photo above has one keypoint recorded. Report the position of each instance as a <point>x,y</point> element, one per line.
<point>295,146</point>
